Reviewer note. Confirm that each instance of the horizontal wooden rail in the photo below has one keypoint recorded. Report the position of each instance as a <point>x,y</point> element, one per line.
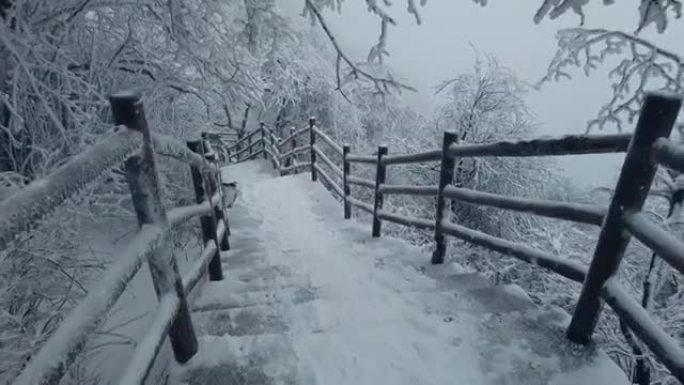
<point>329,180</point>
<point>148,347</point>
<point>355,180</point>
<point>663,243</point>
<point>172,147</point>
<point>295,151</point>
<point>195,274</point>
<point>243,139</point>
<point>575,212</point>
<point>664,346</point>
<point>21,210</point>
<point>294,166</point>
<point>327,140</point>
<point>327,161</point>
<point>427,156</point>
<point>293,135</point>
<point>360,204</point>
<point>565,267</point>
<point>428,224</point>
<point>669,154</point>
<point>62,348</point>
<point>368,159</point>
<point>565,145</point>
<point>182,214</point>
<point>408,190</point>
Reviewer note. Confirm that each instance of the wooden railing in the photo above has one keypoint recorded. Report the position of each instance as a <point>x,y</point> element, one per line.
<point>645,149</point>
<point>134,144</point>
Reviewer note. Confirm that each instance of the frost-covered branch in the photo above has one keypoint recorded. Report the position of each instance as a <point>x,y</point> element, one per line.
<point>644,66</point>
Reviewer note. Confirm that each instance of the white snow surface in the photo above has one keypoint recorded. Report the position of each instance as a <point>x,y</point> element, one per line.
<point>377,316</point>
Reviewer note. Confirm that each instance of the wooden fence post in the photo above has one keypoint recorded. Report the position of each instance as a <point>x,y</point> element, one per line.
<point>263,140</point>
<point>446,175</point>
<point>312,142</point>
<point>294,145</point>
<point>141,174</point>
<point>380,176</point>
<point>346,168</point>
<point>656,120</point>
<point>249,145</point>
<point>216,184</point>
<point>208,222</point>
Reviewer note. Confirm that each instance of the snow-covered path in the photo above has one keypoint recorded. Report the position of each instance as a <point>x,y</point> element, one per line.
<point>310,298</point>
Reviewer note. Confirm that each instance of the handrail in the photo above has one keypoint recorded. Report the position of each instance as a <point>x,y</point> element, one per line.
<point>361,204</point>
<point>360,181</point>
<point>295,151</point>
<point>565,267</point>
<point>327,140</point>
<point>639,321</point>
<point>665,244</point>
<point>329,180</point>
<point>669,154</point>
<point>63,346</point>
<point>293,135</point>
<point>426,156</point>
<point>406,220</point>
<point>149,244</point>
<point>408,189</point>
<point>648,145</point>
<point>327,160</point>
<point>243,139</point>
<point>575,212</point>
<point>564,145</point>
<point>27,206</point>
<point>361,159</point>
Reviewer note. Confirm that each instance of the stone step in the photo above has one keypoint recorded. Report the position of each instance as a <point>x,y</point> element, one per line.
<point>247,360</point>
<point>220,300</point>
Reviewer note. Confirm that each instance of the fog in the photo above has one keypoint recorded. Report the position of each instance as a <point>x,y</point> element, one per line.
<point>452,33</point>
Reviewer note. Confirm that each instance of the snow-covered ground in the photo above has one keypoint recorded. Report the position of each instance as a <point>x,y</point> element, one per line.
<point>310,298</point>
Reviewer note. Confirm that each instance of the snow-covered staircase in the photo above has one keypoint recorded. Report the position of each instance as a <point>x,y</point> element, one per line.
<point>309,298</point>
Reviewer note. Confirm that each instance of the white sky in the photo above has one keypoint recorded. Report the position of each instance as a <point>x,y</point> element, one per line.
<point>440,48</point>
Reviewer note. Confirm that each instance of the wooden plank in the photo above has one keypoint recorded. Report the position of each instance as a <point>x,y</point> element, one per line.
<point>328,161</point>
<point>427,156</point>
<point>329,180</point>
<point>669,154</point>
<point>668,246</point>
<point>565,267</point>
<point>336,147</point>
<point>362,205</point>
<point>575,212</point>
<point>21,210</point>
<point>351,179</point>
<point>663,345</point>
<point>564,145</point>
<point>368,159</point>
<point>419,223</point>
<point>409,190</point>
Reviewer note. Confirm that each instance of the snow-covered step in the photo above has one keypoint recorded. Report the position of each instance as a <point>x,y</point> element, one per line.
<point>467,281</point>
<point>213,300</point>
<point>246,360</point>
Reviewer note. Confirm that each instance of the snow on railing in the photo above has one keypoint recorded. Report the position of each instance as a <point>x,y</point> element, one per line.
<point>133,143</point>
<point>20,211</point>
<point>648,145</point>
